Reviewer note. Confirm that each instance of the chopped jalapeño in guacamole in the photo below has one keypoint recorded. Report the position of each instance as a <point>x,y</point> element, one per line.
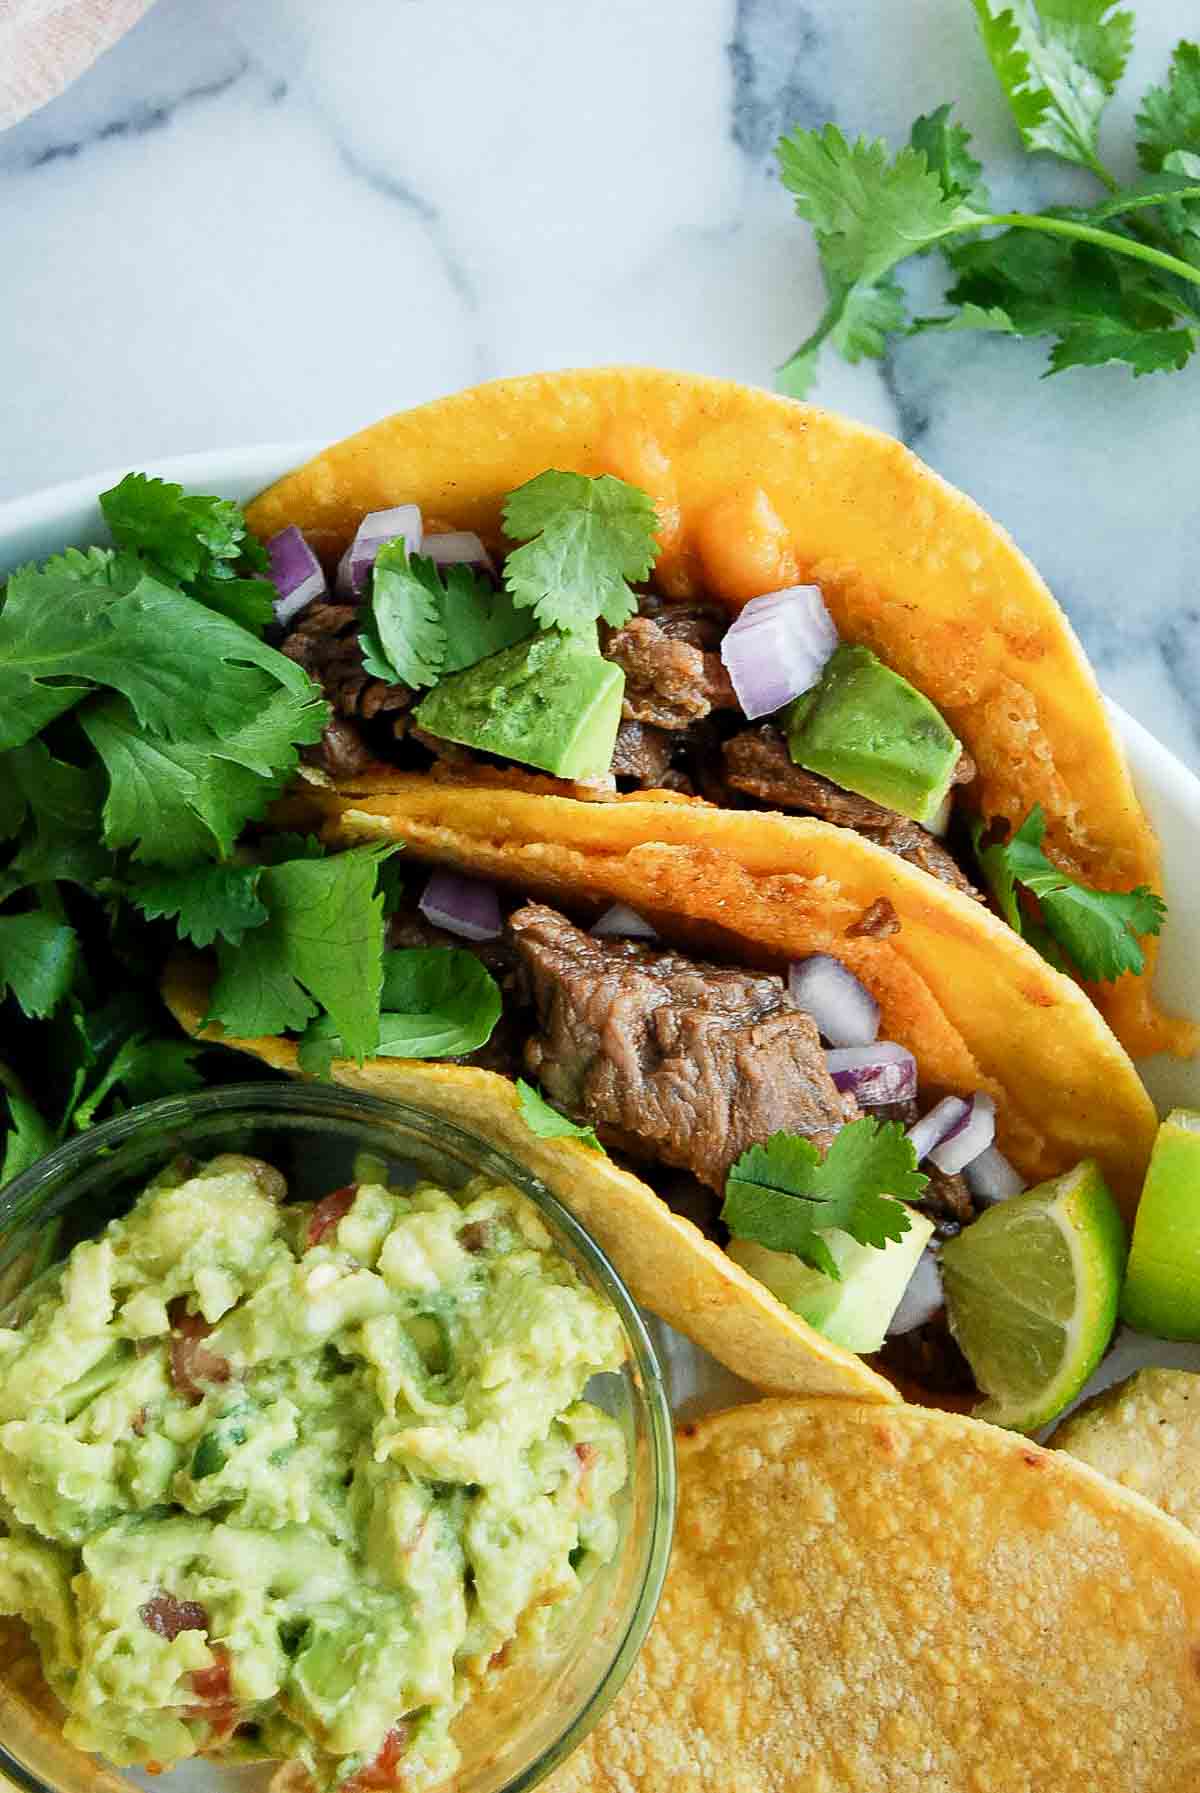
<point>282,1480</point>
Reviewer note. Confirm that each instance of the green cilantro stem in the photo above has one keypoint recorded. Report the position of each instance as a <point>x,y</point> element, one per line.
<point>1087,233</point>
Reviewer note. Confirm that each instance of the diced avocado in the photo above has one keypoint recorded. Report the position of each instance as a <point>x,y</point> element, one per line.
<point>551,701</point>
<point>870,731</point>
<point>855,1311</point>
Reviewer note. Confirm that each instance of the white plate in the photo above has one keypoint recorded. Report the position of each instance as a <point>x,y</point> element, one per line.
<point>66,515</point>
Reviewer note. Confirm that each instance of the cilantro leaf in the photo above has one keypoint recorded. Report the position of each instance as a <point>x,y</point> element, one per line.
<point>585,539</point>
<point>248,602</point>
<point>28,1137</point>
<point>784,1195</point>
<point>38,959</point>
<point>1058,62</point>
<point>1095,931</point>
<point>320,947</point>
<point>209,902</point>
<point>1168,119</point>
<point>54,809</point>
<point>437,1002</point>
<point>1143,351</point>
<point>406,608</point>
<point>143,1067</point>
<point>547,1122</point>
<point>183,534</point>
<point>870,211</point>
<point>427,621</point>
<point>947,152</point>
<point>187,672</point>
<point>175,802</point>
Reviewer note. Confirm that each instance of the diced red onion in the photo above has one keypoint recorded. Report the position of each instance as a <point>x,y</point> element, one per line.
<point>623,923</point>
<point>945,1118</point>
<point>462,905</point>
<point>458,548</point>
<point>964,1142</point>
<point>845,1012</point>
<point>777,648</point>
<point>883,1072</point>
<point>295,573</point>
<point>923,1297</point>
<point>376,528</point>
<point>991,1178</point>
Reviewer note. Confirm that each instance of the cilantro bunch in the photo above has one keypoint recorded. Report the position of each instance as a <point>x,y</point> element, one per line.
<point>1117,281</point>
<point>144,727</point>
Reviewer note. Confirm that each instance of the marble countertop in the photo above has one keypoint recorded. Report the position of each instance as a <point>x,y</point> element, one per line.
<point>268,219</point>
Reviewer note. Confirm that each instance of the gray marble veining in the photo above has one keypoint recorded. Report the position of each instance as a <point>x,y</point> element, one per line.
<point>277,218</point>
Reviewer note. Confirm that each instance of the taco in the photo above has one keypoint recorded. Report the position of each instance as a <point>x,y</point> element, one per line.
<point>794,615</point>
<point>904,1599</point>
<point>689,1047</point>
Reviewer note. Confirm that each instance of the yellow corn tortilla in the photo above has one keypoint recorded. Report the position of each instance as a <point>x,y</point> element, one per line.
<point>666,1262</point>
<point>894,1598</point>
<point>1145,1434</point>
<point>755,492</point>
<point>977,1006</point>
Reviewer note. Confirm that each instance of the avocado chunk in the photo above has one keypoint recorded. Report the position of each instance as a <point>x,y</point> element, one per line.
<point>869,730</point>
<point>551,701</point>
<point>854,1312</point>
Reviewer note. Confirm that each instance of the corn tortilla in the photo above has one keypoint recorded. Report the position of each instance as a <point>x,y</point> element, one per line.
<point>666,1262</point>
<point>904,1601</point>
<point>756,492</point>
<point>973,1002</point>
<point>1145,1434</point>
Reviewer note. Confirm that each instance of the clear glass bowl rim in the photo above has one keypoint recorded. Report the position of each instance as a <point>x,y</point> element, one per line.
<point>264,1099</point>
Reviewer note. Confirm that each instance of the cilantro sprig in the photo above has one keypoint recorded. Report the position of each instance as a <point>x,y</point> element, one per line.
<point>1115,282</point>
<point>786,1196</point>
<point>584,541</point>
<point>1095,932</point>
<point>426,622</point>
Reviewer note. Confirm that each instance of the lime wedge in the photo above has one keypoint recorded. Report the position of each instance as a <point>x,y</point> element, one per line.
<point>1162,1282</point>
<point>1031,1294</point>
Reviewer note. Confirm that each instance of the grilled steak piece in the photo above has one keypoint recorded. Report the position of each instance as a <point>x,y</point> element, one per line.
<point>324,640</point>
<point>929,1357</point>
<point>683,1063</point>
<point>946,1200</point>
<point>701,625</point>
<point>643,754</point>
<point>668,681</point>
<point>758,764</point>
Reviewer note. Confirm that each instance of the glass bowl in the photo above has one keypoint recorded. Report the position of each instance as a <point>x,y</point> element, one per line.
<point>529,1717</point>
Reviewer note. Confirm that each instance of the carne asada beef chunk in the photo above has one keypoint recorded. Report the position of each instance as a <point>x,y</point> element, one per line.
<point>929,1356</point>
<point>679,1062</point>
<point>324,641</point>
<point>700,625</point>
<point>668,681</point>
<point>758,764</point>
<point>643,755</point>
<point>946,1199</point>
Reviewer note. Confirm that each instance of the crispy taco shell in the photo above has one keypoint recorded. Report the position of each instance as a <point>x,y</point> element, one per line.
<point>977,1007</point>
<point>896,1598</point>
<point>756,492</point>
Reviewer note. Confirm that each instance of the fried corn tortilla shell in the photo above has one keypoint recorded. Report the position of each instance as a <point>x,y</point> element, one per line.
<point>756,492</point>
<point>1145,1434</point>
<point>666,1261</point>
<point>977,1007</point>
<point>893,1598</point>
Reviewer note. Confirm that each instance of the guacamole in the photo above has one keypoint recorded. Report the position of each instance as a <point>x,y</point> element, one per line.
<point>283,1480</point>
